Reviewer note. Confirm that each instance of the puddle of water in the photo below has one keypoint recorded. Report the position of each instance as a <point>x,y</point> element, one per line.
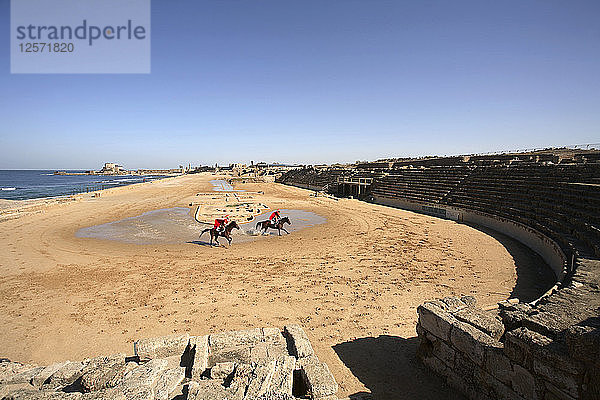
<point>220,185</point>
<point>177,225</point>
<point>169,226</point>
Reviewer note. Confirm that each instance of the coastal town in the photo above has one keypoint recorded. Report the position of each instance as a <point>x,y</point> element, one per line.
<point>110,168</point>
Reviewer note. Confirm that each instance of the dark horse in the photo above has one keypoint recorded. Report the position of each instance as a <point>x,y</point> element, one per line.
<point>264,225</point>
<point>226,233</point>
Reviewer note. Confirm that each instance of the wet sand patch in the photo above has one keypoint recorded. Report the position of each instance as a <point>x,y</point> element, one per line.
<point>220,185</point>
<point>177,225</point>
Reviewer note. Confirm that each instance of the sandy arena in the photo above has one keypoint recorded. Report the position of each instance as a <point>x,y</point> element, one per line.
<point>354,282</point>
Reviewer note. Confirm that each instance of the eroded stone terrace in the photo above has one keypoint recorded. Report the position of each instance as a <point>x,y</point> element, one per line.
<point>256,363</point>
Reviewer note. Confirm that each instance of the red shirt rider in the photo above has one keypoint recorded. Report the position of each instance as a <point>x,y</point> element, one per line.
<point>221,222</point>
<point>274,216</point>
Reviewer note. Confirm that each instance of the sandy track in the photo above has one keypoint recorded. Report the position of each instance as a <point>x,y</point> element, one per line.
<point>354,283</point>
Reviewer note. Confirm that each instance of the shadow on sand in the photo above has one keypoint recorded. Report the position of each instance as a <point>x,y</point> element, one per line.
<point>203,243</point>
<point>534,276</point>
<point>389,368</point>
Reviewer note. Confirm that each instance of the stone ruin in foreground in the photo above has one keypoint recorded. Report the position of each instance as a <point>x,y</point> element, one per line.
<point>549,350</point>
<point>265,364</point>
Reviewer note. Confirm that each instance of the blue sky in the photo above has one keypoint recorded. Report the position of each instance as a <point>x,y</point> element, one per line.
<point>318,81</point>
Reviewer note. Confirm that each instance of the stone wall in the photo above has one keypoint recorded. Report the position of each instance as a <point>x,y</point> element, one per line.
<point>548,350</point>
<point>267,364</point>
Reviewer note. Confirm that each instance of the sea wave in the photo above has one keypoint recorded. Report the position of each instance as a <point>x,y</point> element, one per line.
<point>8,188</point>
<point>129,180</point>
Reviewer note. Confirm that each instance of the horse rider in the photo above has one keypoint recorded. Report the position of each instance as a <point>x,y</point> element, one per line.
<point>221,223</point>
<point>275,217</point>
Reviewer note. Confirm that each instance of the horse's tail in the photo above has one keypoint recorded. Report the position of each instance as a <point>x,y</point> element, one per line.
<point>196,214</point>
<point>204,231</point>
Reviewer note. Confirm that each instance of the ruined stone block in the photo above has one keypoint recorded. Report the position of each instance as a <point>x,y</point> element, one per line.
<point>137,392</point>
<point>7,389</point>
<point>554,393</point>
<point>167,382</point>
<point>41,395</point>
<point>299,341</point>
<point>482,380</point>
<point>549,358</point>
<point>222,370</point>
<point>277,350</point>
<point>270,375</point>
<point>453,304</point>
<point>23,376</point>
<point>498,364</point>
<point>420,330</point>
<point>513,313</point>
<point>259,354</point>
<point>240,381</point>
<point>435,364</point>
<point>273,335</point>
<point>207,390</point>
<point>469,301</point>
<point>279,396</point>
<point>472,342</point>
<point>105,394</point>
<point>440,348</point>
<point>492,388</point>
<point>283,376</point>
<point>9,370</point>
<point>436,320</point>
<point>317,377</point>
<point>583,343</point>
<point>103,372</point>
<point>519,343</point>
<point>276,343</point>
<point>160,347</point>
<point>247,337</point>
<point>65,375</point>
<point>523,382</point>
<point>548,323</point>
<point>177,362</point>
<point>459,383</point>
<point>464,367</point>
<point>590,388</point>
<point>41,377</point>
<point>145,374</point>
<point>199,350</point>
<point>481,320</point>
<point>260,380</point>
<point>130,366</point>
<point>239,354</point>
<point>560,378</point>
<point>265,352</point>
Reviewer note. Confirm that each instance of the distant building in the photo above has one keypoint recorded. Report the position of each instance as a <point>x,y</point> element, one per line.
<point>112,168</point>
